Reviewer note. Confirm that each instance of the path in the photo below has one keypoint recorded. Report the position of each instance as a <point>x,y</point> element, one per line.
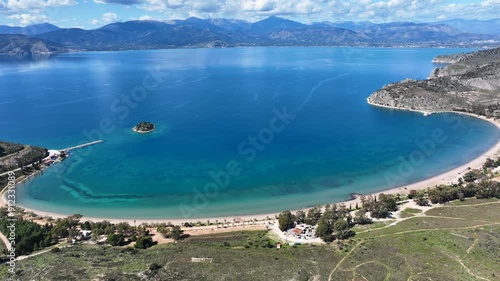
<point>398,220</point>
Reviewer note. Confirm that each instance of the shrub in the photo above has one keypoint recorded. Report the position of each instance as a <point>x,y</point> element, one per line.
<point>154,266</point>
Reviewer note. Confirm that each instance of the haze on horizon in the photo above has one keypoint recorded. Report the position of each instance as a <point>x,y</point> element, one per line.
<point>90,14</point>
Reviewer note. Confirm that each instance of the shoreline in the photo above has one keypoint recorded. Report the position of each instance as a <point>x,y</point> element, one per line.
<point>143,132</point>
<point>446,177</point>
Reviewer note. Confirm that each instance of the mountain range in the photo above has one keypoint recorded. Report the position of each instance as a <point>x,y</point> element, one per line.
<point>273,31</point>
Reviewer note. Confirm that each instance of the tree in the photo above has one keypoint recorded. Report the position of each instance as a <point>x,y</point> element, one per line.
<point>361,218</point>
<point>471,176</point>
<point>300,216</point>
<point>421,200</point>
<point>341,229</point>
<point>313,215</point>
<point>412,194</point>
<point>324,230</point>
<point>285,221</point>
<point>109,230</point>
<point>389,202</point>
<point>380,211</point>
<point>115,239</point>
<point>176,232</point>
<point>164,230</point>
<point>123,227</point>
<point>86,226</point>
<point>469,190</point>
<point>144,242</point>
<point>489,163</point>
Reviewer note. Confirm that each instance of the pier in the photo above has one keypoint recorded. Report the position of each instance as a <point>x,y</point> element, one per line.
<point>81,145</point>
<point>58,160</point>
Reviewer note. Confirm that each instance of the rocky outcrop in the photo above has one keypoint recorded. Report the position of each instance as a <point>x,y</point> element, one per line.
<point>470,84</point>
<point>144,127</point>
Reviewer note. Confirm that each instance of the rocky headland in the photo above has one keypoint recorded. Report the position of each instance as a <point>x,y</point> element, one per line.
<point>18,45</point>
<point>471,83</point>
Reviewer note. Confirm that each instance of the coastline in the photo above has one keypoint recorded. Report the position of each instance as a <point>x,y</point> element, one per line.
<point>143,132</point>
<point>445,178</point>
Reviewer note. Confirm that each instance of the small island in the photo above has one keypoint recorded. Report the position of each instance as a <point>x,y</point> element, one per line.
<point>144,127</point>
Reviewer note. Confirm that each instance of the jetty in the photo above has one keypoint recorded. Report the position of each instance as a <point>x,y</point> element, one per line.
<point>81,145</point>
<point>54,156</point>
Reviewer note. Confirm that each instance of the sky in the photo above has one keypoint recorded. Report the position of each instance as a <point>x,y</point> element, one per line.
<point>91,14</point>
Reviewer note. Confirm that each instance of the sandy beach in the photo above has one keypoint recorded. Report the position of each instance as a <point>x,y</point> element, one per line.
<point>444,178</point>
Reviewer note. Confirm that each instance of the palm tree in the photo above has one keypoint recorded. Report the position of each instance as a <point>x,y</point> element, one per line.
<point>217,223</point>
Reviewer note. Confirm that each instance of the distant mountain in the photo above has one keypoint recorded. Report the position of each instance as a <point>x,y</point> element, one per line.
<point>409,32</point>
<point>272,31</point>
<point>28,30</point>
<point>137,35</point>
<point>83,39</point>
<point>200,24</point>
<point>274,24</point>
<point>230,25</point>
<point>351,25</point>
<point>474,26</point>
<point>313,35</point>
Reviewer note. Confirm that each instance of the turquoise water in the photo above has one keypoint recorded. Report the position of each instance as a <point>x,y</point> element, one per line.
<point>290,124</point>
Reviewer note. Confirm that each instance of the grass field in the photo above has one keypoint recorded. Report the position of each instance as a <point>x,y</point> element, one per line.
<point>459,241</point>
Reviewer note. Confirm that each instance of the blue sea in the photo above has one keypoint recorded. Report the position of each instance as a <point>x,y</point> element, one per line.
<point>239,131</point>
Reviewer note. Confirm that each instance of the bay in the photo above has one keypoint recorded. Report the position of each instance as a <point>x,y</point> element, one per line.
<point>291,125</point>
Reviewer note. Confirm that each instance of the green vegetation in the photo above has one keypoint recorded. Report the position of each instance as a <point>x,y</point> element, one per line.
<point>144,242</point>
<point>29,236</point>
<point>381,208</point>
<point>462,237</point>
<point>409,212</point>
<point>286,221</point>
<point>116,239</point>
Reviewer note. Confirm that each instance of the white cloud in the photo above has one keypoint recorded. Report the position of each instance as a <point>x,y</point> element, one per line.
<point>26,19</point>
<point>259,5</point>
<point>25,5</point>
<point>145,17</point>
<point>105,19</point>
<point>109,18</point>
<point>252,10</point>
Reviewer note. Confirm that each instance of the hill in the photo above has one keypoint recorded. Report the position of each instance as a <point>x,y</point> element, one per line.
<point>470,84</point>
<point>23,46</point>
<point>474,26</point>
<point>13,155</point>
<point>28,30</point>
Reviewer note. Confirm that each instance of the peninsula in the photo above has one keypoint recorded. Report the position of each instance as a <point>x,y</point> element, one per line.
<point>471,84</point>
